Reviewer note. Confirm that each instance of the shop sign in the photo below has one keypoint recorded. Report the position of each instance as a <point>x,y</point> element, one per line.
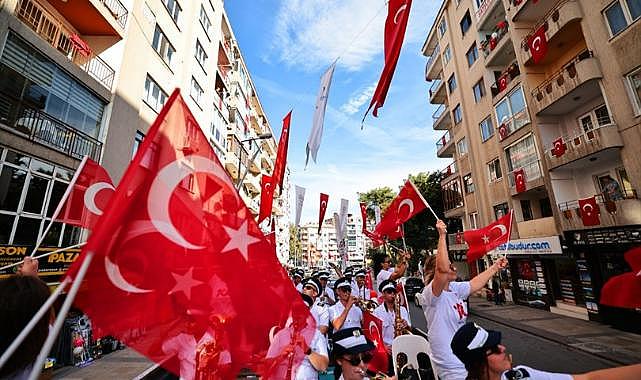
<point>54,264</point>
<point>535,246</point>
<point>605,236</point>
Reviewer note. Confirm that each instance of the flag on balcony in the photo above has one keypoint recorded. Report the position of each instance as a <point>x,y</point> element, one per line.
<point>300,198</point>
<point>624,290</point>
<point>503,131</point>
<point>504,80</point>
<point>590,211</point>
<point>321,212</point>
<point>559,147</point>
<point>485,239</point>
<point>89,193</point>
<point>408,203</point>
<point>316,134</point>
<point>162,256</point>
<point>80,45</point>
<point>266,197</point>
<point>281,156</point>
<point>398,12</point>
<point>519,180</point>
<point>538,45</point>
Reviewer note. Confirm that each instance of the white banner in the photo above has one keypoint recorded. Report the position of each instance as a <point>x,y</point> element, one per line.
<point>377,214</point>
<point>337,224</point>
<point>300,197</point>
<point>343,215</point>
<point>547,245</point>
<point>316,134</point>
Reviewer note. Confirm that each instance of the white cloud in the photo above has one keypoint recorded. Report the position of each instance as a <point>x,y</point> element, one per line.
<point>356,101</point>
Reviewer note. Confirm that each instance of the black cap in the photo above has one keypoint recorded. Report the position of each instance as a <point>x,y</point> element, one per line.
<point>323,275</point>
<point>471,342</point>
<point>307,299</point>
<point>343,282</point>
<point>351,341</point>
<point>387,284</point>
<point>312,282</point>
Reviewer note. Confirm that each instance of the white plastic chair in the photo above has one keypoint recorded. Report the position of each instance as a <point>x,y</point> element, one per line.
<point>411,345</point>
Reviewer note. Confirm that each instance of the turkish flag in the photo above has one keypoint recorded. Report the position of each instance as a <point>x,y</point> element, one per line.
<point>178,262</point>
<point>589,210</point>
<point>90,192</point>
<point>266,197</point>
<point>368,279</point>
<point>503,81</point>
<point>624,290</point>
<point>559,147</point>
<point>281,156</point>
<point>503,131</point>
<point>398,12</point>
<point>373,329</point>
<point>321,211</point>
<point>485,239</point>
<point>519,180</point>
<point>364,215</point>
<point>538,45</point>
<point>406,205</point>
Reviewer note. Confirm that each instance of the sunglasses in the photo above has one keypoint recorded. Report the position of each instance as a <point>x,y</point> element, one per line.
<point>356,360</point>
<point>389,291</point>
<point>309,287</point>
<point>493,350</point>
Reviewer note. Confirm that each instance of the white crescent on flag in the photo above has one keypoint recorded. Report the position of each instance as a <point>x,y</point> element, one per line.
<point>536,43</point>
<point>398,12</point>
<point>90,196</point>
<point>409,203</point>
<point>116,278</point>
<point>585,208</point>
<point>501,229</point>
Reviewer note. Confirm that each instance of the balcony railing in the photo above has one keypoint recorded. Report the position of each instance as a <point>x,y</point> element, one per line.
<point>624,210</point>
<point>36,125</point>
<point>439,111</point>
<point>118,10</point>
<point>444,140</point>
<point>435,85</point>
<point>448,171</point>
<point>531,169</point>
<point>605,136</point>
<point>513,124</point>
<point>431,59</point>
<point>507,76</point>
<point>492,41</point>
<point>59,37</point>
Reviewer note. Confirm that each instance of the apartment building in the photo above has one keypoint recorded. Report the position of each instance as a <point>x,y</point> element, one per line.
<point>540,107</point>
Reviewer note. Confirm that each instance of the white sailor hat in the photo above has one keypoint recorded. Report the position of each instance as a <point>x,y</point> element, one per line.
<point>360,272</point>
<point>386,285</point>
<point>323,275</point>
<point>311,281</point>
<point>343,282</point>
<point>351,341</point>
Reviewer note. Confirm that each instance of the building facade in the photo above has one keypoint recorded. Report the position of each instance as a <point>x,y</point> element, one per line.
<point>539,103</point>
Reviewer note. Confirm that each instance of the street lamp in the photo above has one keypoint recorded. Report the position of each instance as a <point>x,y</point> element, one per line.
<point>262,136</point>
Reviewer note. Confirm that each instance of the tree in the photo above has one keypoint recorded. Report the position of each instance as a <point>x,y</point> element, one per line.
<point>381,196</point>
<point>295,245</point>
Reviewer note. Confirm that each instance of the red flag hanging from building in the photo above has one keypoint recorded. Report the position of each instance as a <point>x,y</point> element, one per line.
<point>519,180</point>
<point>281,156</point>
<point>364,215</point>
<point>503,81</point>
<point>266,197</point>
<point>503,132</point>
<point>321,211</point>
<point>373,329</point>
<point>624,290</point>
<point>485,239</point>
<point>590,211</point>
<point>81,45</point>
<point>538,44</point>
<point>405,206</point>
<point>178,256</point>
<point>559,147</point>
<point>88,196</point>
<point>398,13</point>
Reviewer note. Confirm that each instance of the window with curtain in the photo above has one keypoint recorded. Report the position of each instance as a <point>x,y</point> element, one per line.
<point>523,155</point>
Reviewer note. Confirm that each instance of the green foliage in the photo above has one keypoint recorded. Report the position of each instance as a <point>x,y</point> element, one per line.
<point>294,242</point>
<point>382,196</point>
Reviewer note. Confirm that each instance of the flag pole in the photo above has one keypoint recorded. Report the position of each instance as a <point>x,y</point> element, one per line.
<point>423,199</point>
<point>403,236</point>
<point>53,332</point>
<point>44,255</point>
<point>32,323</point>
<point>62,202</point>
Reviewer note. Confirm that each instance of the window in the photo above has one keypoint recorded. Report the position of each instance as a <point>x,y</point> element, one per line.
<point>468,184</point>
<point>474,220</point>
<point>479,90</point>
<point>452,197</point>
<point>466,22</point>
<point>621,14</point>
<point>596,118</point>
<point>546,207</point>
<point>154,96</point>
<point>204,19</point>
<point>472,55</point>
<point>501,210</point>
<point>162,46</point>
<point>458,114</point>
<point>174,9</point>
<point>451,83</point>
<point>196,91</point>
<point>442,27</point>
<point>494,170</point>
<point>137,141</point>
<point>200,55</point>
<point>461,146</point>
<point>523,155</point>
<point>447,55</point>
<point>526,209</point>
<point>487,129</point>
<point>634,86</point>
<point>511,111</point>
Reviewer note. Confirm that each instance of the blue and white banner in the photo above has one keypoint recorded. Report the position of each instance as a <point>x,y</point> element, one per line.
<point>547,245</point>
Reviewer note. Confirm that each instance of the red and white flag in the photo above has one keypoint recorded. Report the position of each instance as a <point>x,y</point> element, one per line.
<point>324,198</point>
<point>519,180</point>
<point>590,211</point>
<point>364,215</point>
<point>503,133</point>
<point>266,197</point>
<point>503,81</point>
<point>398,13</point>
<point>179,262</point>
<point>89,195</point>
<point>373,329</point>
<point>405,206</point>
<point>281,156</point>
<point>485,239</point>
<point>559,147</point>
<point>538,45</point>
<point>624,290</point>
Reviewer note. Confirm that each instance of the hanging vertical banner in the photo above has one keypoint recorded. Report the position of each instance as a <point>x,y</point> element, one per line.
<point>266,198</point>
<point>321,212</point>
<point>343,215</point>
<point>281,156</point>
<point>300,197</point>
<point>364,215</point>
<point>316,134</point>
<point>377,214</point>
<point>340,239</point>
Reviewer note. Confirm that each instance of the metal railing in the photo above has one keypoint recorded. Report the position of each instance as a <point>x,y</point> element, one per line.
<point>38,126</point>
<point>431,59</point>
<point>532,171</point>
<point>569,67</point>
<point>448,171</point>
<point>444,140</point>
<point>511,72</point>
<point>117,10</point>
<point>436,84</point>
<point>590,136</point>
<point>483,8</point>
<point>439,112</point>
<point>600,199</point>
<point>489,44</point>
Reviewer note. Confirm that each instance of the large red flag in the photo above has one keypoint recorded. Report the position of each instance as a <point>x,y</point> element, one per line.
<point>538,44</point>
<point>590,211</point>
<point>485,239</point>
<point>624,290</point>
<point>321,211</point>
<point>266,197</point>
<point>180,266</point>
<point>88,197</point>
<point>519,180</point>
<point>281,156</point>
<point>406,205</point>
<point>398,12</point>
<point>373,329</point>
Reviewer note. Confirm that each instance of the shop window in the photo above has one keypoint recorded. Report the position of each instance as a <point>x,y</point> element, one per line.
<point>6,225</point>
<point>71,236</point>
<point>12,182</point>
<point>57,191</point>
<point>487,129</point>
<point>53,235</point>
<point>26,231</point>
<point>36,193</point>
<point>526,209</point>
<point>546,207</point>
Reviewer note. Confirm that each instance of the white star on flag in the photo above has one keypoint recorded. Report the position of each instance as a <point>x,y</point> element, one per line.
<point>486,239</point>
<point>239,239</point>
<point>184,282</point>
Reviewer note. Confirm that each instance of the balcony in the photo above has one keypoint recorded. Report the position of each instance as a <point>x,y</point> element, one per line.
<point>445,146</point>
<point>434,65</point>
<point>448,172</point>
<point>513,124</point>
<point>221,105</point>
<point>574,85</point>
<point>441,118</point>
<point>498,49</point>
<point>453,198</point>
<point>252,183</point>
<point>239,159</point>
<point>533,177</point>
<point>490,11</point>
<point>537,228</point>
<point>528,10</point>
<point>504,83</point>
<point>88,17</point>
<point>38,126</point>
<point>266,163</point>
<point>456,242</point>
<point>626,211</point>
<point>438,95</point>
<point>585,144</point>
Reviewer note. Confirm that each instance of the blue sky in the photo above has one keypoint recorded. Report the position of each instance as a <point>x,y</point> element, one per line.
<point>287,46</point>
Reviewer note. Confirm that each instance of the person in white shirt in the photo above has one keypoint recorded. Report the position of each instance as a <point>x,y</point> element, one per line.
<point>297,277</point>
<point>326,294</point>
<point>352,352</point>
<point>361,291</point>
<point>344,314</point>
<point>485,358</point>
<point>386,313</point>
<point>388,273</point>
<point>445,308</point>
<point>319,310</point>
